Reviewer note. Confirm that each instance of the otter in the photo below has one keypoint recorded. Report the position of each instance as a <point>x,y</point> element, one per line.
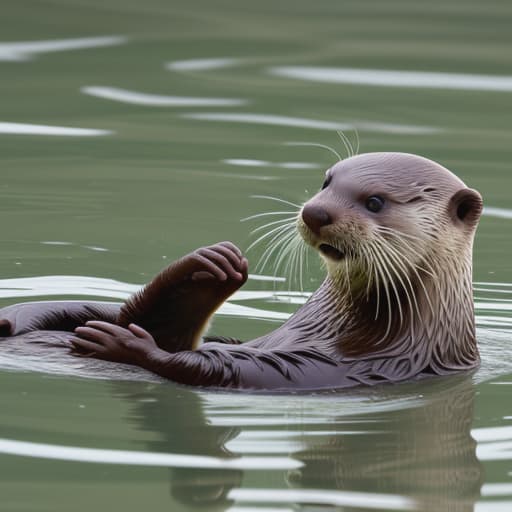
<point>395,232</point>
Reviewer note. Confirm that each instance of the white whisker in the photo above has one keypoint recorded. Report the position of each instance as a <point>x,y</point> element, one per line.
<point>258,215</point>
<point>348,145</point>
<point>268,234</point>
<point>274,223</point>
<point>280,239</point>
<point>314,144</point>
<point>278,199</point>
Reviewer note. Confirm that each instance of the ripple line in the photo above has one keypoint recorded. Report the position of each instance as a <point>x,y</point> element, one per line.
<point>140,458</point>
<point>25,50</point>
<point>324,497</point>
<point>157,100</point>
<point>502,213</point>
<point>40,129</point>
<point>202,64</point>
<point>397,78</point>
<point>314,124</point>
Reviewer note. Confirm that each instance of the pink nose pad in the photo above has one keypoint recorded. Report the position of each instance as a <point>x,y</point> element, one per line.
<point>315,218</point>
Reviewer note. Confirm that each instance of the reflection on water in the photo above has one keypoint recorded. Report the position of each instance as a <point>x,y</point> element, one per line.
<point>100,183</point>
<point>245,162</point>
<point>502,213</point>
<point>386,78</point>
<point>202,64</point>
<point>314,124</point>
<point>138,458</point>
<point>405,448</point>
<point>25,50</point>
<point>56,131</point>
<point>157,100</point>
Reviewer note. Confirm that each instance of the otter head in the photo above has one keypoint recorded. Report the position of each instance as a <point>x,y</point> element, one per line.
<point>396,231</point>
<point>378,199</point>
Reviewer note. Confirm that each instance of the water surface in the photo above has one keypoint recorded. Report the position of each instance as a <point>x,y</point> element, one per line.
<point>132,133</point>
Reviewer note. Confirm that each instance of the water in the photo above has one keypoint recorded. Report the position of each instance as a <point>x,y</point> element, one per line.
<point>132,133</point>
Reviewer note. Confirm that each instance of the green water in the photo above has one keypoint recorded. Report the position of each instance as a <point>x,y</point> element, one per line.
<point>156,181</point>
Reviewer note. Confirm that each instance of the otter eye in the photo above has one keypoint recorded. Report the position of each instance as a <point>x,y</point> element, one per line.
<point>327,181</point>
<point>374,204</point>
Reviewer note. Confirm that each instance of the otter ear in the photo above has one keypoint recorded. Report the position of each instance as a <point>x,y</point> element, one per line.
<point>466,206</point>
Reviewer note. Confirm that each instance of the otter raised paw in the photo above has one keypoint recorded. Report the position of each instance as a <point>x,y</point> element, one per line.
<point>177,304</point>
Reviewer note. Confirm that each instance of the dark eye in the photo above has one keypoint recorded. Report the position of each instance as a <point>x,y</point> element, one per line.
<point>374,204</point>
<point>327,181</point>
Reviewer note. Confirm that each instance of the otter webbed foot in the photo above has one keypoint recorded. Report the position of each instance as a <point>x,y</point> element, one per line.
<point>176,305</point>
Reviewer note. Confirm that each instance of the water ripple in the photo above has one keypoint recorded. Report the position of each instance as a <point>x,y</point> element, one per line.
<point>40,129</point>
<point>324,497</point>
<point>314,124</point>
<point>202,64</point>
<point>493,318</point>
<point>140,458</point>
<point>245,162</point>
<point>502,213</point>
<point>25,50</point>
<point>393,78</point>
<point>157,100</point>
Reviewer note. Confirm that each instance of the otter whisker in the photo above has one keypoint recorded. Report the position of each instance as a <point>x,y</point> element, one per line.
<point>349,286</point>
<point>386,289</point>
<point>297,262</point>
<point>399,268</point>
<point>398,236</point>
<point>377,286</point>
<point>415,267</point>
<point>266,235</point>
<point>274,223</point>
<point>278,244</point>
<point>389,273</point>
<point>315,144</point>
<point>400,263</point>
<point>301,264</point>
<point>285,251</point>
<point>346,142</point>
<point>278,199</point>
<point>281,238</point>
<point>288,262</point>
<point>258,215</point>
<point>282,257</point>
<point>373,278</point>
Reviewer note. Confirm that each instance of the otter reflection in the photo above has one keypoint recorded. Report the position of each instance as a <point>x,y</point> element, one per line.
<point>424,451</point>
<point>177,416</point>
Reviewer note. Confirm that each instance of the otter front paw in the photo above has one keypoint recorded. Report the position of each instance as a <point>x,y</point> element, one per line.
<point>176,305</point>
<point>110,342</point>
<point>223,261</point>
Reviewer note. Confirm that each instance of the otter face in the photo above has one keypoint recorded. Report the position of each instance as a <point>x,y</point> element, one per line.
<point>387,207</point>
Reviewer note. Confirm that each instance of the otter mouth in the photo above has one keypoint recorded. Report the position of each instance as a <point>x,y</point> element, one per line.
<point>331,252</point>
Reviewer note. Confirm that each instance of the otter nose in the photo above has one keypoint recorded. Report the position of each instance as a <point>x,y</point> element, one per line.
<point>315,217</point>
